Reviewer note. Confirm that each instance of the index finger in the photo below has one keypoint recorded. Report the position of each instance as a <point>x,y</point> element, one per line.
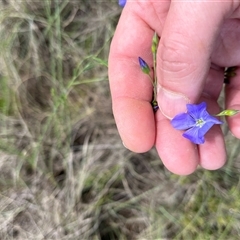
<point>131,89</point>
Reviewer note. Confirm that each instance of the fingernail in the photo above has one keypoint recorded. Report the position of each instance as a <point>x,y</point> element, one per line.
<point>171,103</point>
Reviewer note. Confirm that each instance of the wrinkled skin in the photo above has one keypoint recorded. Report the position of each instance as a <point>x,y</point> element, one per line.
<point>198,39</point>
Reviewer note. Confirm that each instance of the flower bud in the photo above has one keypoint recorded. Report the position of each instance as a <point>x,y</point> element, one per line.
<point>143,65</point>
<point>228,112</point>
<point>155,41</point>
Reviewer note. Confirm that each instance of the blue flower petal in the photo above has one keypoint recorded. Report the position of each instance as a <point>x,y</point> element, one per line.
<point>183,121</point>
<point>193,135</point>
<point>208,118</point>
<point>204,129</point>
<point>122,2</point>
<point>196,110</point>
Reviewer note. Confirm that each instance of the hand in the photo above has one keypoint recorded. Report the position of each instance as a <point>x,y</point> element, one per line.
<point>198,39</point>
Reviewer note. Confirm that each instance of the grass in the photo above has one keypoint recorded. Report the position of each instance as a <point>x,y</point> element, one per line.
<point>64,172</point>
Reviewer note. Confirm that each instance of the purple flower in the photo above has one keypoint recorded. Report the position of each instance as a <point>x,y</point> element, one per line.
<point>122,2</point>
<point>197,121</point>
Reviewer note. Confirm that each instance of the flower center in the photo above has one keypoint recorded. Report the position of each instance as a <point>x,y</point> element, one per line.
<point>200,122</point>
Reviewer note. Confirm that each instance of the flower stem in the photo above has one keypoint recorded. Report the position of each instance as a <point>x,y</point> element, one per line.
<point>155,42</point>
<point>146,69</point>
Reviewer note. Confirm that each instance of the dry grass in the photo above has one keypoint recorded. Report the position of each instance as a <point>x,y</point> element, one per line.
<point>64,172</point>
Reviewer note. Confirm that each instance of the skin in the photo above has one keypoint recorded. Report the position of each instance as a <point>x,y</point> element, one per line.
<point>198,39</point>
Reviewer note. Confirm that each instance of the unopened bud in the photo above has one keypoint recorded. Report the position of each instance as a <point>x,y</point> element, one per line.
<point>228,112</point>
<point>143,65</point>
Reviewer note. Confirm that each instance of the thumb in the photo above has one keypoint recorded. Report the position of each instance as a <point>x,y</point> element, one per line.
<point>184,51</point>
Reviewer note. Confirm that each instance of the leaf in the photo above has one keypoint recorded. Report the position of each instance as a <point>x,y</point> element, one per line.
<point>101,61</point>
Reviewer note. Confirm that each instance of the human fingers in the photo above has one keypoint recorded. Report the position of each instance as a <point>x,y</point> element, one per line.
<point>184,53</point>
<point>131,90</point>
<point>212,153</point>
<point>180,155</point>
<point>177,153</point>
<point>233,102</point>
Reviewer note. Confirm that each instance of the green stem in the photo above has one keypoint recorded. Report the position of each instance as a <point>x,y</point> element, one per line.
<point>154,52</point>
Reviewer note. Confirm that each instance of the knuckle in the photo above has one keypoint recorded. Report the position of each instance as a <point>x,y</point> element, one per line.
<point>176,57</point>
